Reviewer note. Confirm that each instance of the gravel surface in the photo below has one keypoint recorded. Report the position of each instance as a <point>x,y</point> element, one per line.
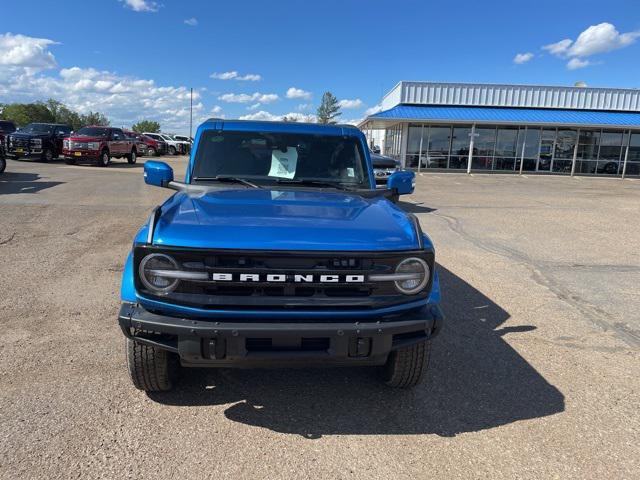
<point>536,374</point>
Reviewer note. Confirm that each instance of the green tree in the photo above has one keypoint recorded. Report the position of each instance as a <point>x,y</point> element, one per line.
<point>94,118</point>
<point>63,114</point>
<point>329,109</point>
<point>146,126</point>
<point>25,113</point>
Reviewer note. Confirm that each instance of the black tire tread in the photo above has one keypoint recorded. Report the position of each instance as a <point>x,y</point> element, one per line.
<point>406,367</point>
<point>150,368</point>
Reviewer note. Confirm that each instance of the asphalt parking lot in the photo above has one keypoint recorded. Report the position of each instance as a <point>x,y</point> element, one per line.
<point>536,374</point>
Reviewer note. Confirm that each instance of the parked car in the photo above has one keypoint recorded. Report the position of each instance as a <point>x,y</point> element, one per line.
<point>37,140</point>
<point>6,127</point>
<point>3,159</point>
<point>383,167</point>
<point>173,147</point>
<point>278,250</point>
<point>136,138</point>
<point>186,141</point>
<point>154,147</point>
<point>98,145</point>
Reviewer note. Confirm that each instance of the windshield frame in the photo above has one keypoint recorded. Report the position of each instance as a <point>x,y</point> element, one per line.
<point>105,135</point>
<point>30,128</point>
<point>306,182</point>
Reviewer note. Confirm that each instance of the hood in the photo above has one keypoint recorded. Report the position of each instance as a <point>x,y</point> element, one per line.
<point>380,161</point>
<point>82,138</point>
<point>18,134</point>
<point>262,219</point>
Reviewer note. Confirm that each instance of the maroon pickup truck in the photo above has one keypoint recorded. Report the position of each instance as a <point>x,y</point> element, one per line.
<point>99,145</point>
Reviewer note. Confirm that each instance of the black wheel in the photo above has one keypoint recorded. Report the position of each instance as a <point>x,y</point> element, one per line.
<point>172,150</point>
<point>406,367</point>
<point>47,155</point>
<point>105,159</point>
<point>3,164</point>
<point>151,152</point>
<point>70,161</point>
<point>611,168</point>
<point>151,369</point>
<point>132,157</point>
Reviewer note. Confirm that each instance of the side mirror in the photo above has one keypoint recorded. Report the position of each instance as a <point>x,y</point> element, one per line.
<point>158,174</point>
<point>402,183</point>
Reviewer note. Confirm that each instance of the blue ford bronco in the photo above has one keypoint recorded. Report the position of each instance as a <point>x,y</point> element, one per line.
<point>278,251</point>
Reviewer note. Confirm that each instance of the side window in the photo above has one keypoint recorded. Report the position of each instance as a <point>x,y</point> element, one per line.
<point>117,135</point>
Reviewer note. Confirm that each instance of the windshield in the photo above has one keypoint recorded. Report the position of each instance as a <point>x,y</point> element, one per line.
<point>93,132</point>
<point>38,128</point>
<point>281,158</point>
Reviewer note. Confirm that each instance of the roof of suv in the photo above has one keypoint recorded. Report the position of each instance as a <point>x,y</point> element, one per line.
<point>286,127</point>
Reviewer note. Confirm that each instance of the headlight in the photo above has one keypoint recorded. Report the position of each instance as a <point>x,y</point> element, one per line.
<point>412,275</point>
<point>93,145</point>
<point>65,144</point>
<point>155,273</point>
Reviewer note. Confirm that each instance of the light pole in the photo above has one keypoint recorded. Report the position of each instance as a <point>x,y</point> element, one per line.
<point>191,113</point>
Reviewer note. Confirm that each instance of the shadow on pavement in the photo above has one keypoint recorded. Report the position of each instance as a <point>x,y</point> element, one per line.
<point>476,381</point>
<point>415,207</point>
<point>20,182</point>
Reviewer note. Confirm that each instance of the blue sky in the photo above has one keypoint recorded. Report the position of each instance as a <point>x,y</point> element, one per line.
<point>136,59</point>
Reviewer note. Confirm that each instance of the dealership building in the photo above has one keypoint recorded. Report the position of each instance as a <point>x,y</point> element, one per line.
<point>509,128</point>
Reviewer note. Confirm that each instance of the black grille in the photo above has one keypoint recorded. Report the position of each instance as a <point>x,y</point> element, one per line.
<point>288,294</point>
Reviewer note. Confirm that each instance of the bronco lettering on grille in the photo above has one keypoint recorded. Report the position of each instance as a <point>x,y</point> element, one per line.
<point>285,278</point>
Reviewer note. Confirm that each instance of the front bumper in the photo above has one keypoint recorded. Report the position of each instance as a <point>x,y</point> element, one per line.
<point>80,154</point>
<point>211,343</point>
<point>24,152</point>
<point>382,174</point>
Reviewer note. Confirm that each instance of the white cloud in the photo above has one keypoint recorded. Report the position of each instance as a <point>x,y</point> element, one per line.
<point>192,22</point>
<point>141,5</point>
<point>234,75</point>
<point>256,97</point>
<point>576,63</point>
<point>355,103</point>
<point>26,54</point>
<point>521,58</point>
<point>304,106</point>
<point>601,38</point>
<point>373,110</point>
<point>124,99</point>
<point>559,48</point>
<point>298,93</point>
<point>352,121</point>
<point>263,115</point>
<point>216,109</point>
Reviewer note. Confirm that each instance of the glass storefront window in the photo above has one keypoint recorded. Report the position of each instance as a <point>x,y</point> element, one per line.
<point>565,146</point>
<point>531,139</point>
<point>483,148</point>
<point>439,140</point>
<point>460,147</point>
<point>413,146</point>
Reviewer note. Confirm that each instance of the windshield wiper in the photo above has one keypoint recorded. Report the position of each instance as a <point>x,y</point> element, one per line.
<point>312,183</point>
<point>223,178</point>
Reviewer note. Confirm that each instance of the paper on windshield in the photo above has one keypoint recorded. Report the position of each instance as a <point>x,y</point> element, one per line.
<point>283,164</point>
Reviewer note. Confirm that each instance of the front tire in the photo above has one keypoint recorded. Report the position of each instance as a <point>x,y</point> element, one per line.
<point>47,155</point>
<point>132,157</point>
<point>151,152</point>
<point>151,369</point>
<point>104,159</point>
<point>406,367</point>
<point>172,150</point>
<point>3,164</point>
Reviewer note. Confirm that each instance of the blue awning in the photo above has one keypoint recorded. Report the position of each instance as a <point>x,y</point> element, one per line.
<point>520,116</point>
